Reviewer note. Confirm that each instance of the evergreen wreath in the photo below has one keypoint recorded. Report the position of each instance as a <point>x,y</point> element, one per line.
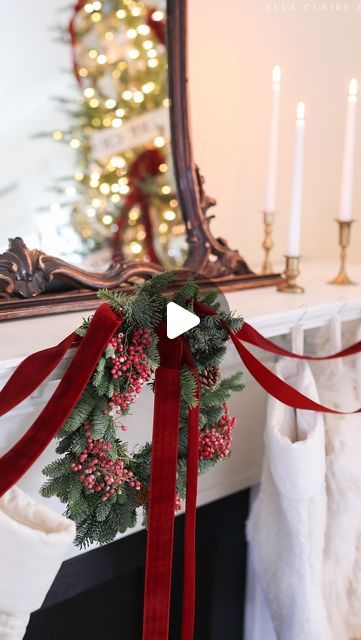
<point>99,480</point>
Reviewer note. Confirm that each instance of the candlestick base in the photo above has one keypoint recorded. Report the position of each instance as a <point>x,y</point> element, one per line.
<point>344,236</point>
<point>291,274</point>
<point>268,220</point>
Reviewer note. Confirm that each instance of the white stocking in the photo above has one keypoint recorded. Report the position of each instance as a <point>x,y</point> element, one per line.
<point>286,528</point>
<point>33,543</point>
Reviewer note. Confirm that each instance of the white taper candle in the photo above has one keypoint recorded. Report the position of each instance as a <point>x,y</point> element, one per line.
<point>293,248</point>
<point>270,199</point>
<point>345,212</point>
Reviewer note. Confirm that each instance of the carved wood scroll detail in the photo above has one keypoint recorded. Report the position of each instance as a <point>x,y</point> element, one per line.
<point>26,273</point>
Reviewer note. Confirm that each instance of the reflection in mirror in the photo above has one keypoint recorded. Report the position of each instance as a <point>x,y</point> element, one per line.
<point>89,175</point>
<point>318,47</point>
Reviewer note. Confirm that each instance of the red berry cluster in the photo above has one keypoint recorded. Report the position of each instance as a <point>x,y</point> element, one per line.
<point>216,442</point>
<point>130,363</point>
<point>98,472</point>
<point>178,502</point>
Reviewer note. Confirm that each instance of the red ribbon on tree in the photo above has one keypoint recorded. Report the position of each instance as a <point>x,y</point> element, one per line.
<point>73,38</point>
<point>146,165</point>
<point>157,26</point>
<point>173,353</point>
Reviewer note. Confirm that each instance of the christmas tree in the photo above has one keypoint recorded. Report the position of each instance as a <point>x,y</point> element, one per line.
<point>123,198</point>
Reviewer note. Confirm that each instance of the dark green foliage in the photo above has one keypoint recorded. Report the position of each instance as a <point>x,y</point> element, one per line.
<point>101,520</point>
<point>189,291</point>
<point>221,393</point>
<point>80,413</point>
<point>188,387</point>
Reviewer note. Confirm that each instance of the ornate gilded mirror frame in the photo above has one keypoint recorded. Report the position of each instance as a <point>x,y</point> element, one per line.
<point>33,283</point>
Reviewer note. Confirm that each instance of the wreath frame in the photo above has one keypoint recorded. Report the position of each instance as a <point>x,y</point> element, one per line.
<point>99,480</point>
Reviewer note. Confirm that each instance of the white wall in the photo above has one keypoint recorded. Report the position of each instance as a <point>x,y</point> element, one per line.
<point>35,68</point>
<point>232,49</point>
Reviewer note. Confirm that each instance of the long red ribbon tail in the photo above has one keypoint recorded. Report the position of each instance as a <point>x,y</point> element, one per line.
<point>162,495</point>
<point>31,372</point>
<point>251,335</point>
<point>189,561</point>
<point>23,454</point>
<point>162,490</point>
<point>277,387</point>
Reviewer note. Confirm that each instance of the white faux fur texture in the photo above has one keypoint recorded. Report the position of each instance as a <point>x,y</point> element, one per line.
<point>340,387</point>
<point>305,526</point>
<point>287,524</point>
<point>33,543</point>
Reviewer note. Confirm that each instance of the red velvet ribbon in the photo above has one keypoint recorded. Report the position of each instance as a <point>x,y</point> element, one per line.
<point>162,490</point>
<point>270,382</point>
<point>158,26</point>
<point>146,164</point>
<point>162,493</point>
<point>34,370</point>
<point>189,561</point>
<point>73,38</point>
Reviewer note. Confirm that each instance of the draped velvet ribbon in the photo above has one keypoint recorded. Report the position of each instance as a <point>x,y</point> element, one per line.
<point>271,383</point>
<point>173,353</point>
<point>145,166</point>
<point>32,372</point>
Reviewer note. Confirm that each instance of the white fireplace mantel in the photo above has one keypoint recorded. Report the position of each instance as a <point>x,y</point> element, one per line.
<point>270,312</point>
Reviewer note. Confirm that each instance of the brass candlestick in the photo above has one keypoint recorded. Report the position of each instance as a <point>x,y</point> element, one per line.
<point>268,220</point>
<point>291,274</point>
<point>344,235</point>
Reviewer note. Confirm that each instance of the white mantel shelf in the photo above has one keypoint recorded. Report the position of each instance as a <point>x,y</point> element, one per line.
<point>275,313</point>
<point>270,312</point>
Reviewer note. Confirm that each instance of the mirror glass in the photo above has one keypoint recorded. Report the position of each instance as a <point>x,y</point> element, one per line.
<point>87,174</point>
<point>231,54</point>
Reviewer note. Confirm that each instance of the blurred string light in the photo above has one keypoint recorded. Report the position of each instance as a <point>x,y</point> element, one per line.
<point>157,16</point>
<point>169,215</point>
<point>135,247</point>
<point>159,142</point>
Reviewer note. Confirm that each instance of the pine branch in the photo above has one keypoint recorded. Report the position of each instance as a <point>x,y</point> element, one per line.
<point>210,297</point>
<point>157,284</point>
<point>116,299</point>
<point>59,467</point>
<point>80,412</point>
<point>152,353</point>
<point>221,393</point>
<point>189,291</point>
<point>188,387</point>
<point>74,442</point>
<point>101,423</point>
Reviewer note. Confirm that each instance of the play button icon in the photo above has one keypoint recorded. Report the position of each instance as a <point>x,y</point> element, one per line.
<point>179,320</point>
